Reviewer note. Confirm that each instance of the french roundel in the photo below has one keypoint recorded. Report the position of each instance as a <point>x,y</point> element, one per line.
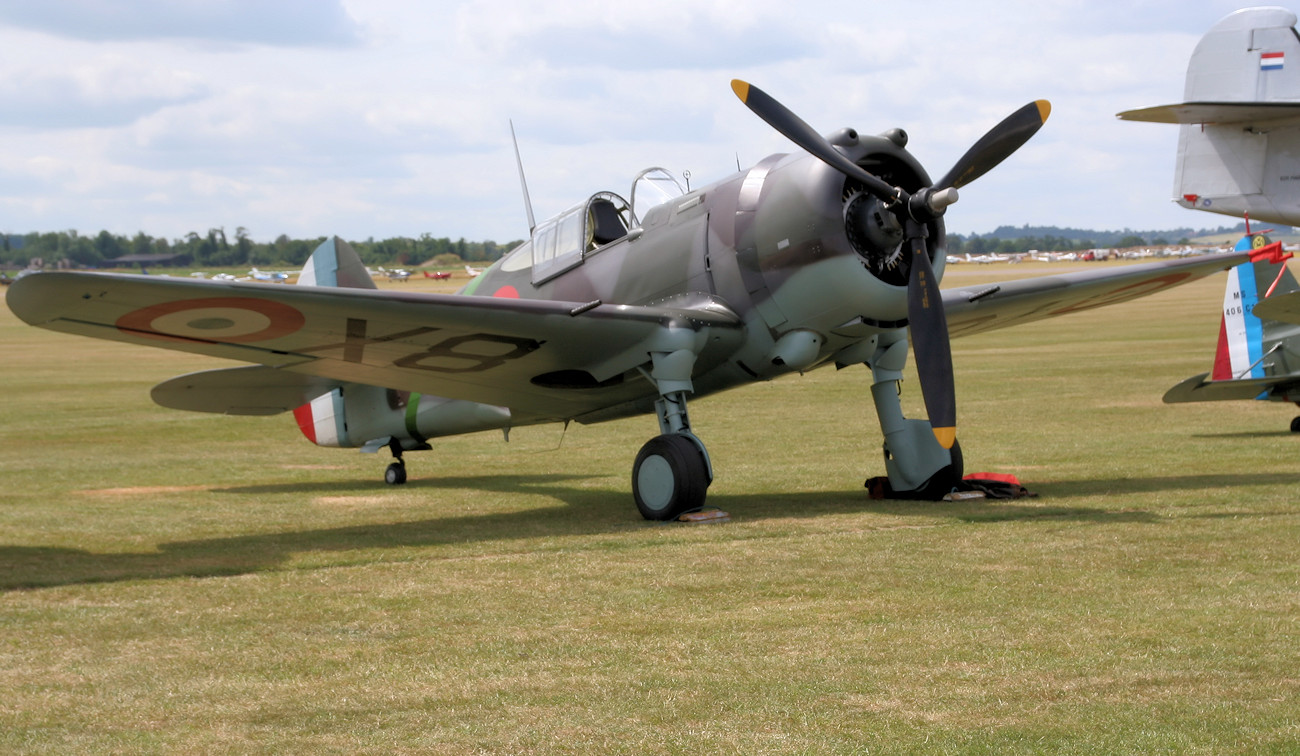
<point>233,320</point>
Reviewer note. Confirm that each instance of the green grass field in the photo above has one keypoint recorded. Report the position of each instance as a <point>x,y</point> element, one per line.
<point>174,582</point>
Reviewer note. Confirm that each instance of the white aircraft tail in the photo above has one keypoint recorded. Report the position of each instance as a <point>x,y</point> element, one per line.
<point>1239,139</point>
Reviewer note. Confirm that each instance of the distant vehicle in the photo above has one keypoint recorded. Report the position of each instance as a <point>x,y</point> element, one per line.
<point>397,274</point>
<point>472,271</point>
<point>439,276</point>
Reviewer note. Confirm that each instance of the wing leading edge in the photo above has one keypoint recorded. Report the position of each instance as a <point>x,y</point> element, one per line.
<point>989,307</point>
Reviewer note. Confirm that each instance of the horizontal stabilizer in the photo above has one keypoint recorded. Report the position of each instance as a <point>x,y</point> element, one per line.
<point>250,390</point>
<point>1198,389</point>
<point>1282,307</point>
<point>1218,113</point>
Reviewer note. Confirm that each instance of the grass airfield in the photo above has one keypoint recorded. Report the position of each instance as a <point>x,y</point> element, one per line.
<point>175,582</point>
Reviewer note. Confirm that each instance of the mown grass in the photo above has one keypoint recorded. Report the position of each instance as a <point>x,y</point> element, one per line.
<point>172,582</point>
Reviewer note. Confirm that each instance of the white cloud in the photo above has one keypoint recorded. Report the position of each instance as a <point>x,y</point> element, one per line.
<point>389,117</point>
<point>282,22</point>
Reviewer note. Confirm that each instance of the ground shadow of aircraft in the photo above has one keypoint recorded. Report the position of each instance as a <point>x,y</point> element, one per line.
<point>580,511</point>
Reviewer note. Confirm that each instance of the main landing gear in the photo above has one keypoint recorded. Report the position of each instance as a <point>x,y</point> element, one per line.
<point>671,476</point>
<point>672,472</point>
<point>917,466</point>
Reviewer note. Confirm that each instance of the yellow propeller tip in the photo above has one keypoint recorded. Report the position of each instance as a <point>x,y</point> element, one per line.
<point>1044,109</point>
<point>946,436</point>
<point>741,89</point>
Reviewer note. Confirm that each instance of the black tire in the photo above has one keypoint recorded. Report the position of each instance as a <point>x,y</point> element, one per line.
<point>670,477</point>
<point>1295,425</point>
<point>395,475</point>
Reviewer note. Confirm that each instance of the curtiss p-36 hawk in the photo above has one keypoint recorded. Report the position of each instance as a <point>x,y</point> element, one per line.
<point>829,255</point>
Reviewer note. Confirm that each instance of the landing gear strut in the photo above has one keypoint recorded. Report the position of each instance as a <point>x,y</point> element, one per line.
<point>917,465</point>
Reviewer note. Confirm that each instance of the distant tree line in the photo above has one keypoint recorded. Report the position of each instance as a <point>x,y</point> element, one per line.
<point>985,245</point>
<point>218,249</point>
<point>1015,239</point>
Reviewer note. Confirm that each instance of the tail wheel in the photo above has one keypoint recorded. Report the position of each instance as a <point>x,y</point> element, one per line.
<point>1295,425</point>
<point>670,477</point>
<point>395,474</point>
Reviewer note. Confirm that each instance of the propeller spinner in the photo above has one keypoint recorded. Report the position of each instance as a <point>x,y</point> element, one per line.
<point>927,324</point>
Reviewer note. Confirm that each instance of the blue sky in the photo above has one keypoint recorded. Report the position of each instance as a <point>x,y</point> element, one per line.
<point>391,117</point>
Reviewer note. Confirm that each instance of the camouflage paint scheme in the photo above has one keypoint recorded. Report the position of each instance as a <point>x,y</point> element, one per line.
<point>785,267</point>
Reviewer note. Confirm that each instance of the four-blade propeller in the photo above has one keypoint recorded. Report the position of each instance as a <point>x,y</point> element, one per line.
<point>927,324</point>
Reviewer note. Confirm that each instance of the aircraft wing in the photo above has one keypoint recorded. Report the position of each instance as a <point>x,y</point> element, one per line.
<point>546,360</point>
<point>1199,389</point>
<point>1216,113</point>
<point>1283,307</point>
<point>988,307</point>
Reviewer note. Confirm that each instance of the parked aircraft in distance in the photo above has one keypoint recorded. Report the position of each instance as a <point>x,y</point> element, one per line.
<point>829,255</point>
<point>272,276</point>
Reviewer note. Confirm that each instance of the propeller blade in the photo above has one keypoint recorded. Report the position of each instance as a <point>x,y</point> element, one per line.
<point>928,327</point>
<point>798,131</point>
<point>998,144</point>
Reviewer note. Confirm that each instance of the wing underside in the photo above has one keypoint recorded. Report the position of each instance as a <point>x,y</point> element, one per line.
<point>1217,113</point>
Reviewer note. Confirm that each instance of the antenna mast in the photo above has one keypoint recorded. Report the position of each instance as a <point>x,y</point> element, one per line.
<point>528,203</point>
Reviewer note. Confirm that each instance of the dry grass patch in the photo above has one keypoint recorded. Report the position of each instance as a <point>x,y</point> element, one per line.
<point>242,591</point>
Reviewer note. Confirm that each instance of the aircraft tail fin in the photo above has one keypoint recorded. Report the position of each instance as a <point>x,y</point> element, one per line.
<point>1255,357</point>
<point>1239,139</point>
<point>1244,338</point>
<point>336,263</point>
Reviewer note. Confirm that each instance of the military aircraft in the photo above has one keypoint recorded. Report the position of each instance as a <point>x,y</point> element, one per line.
<point>1258,352</point>
<point>1239,154</point>
<point>268,275</point>
<point>1239,138</point>
<point>828,255</point>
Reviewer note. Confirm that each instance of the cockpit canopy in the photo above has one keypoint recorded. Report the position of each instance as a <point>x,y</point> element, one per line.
<point>561,243</point>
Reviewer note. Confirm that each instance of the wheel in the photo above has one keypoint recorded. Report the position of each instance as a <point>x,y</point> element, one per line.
<point>395,475</point>
<point>670,477</point>
<point>1295,425</point>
